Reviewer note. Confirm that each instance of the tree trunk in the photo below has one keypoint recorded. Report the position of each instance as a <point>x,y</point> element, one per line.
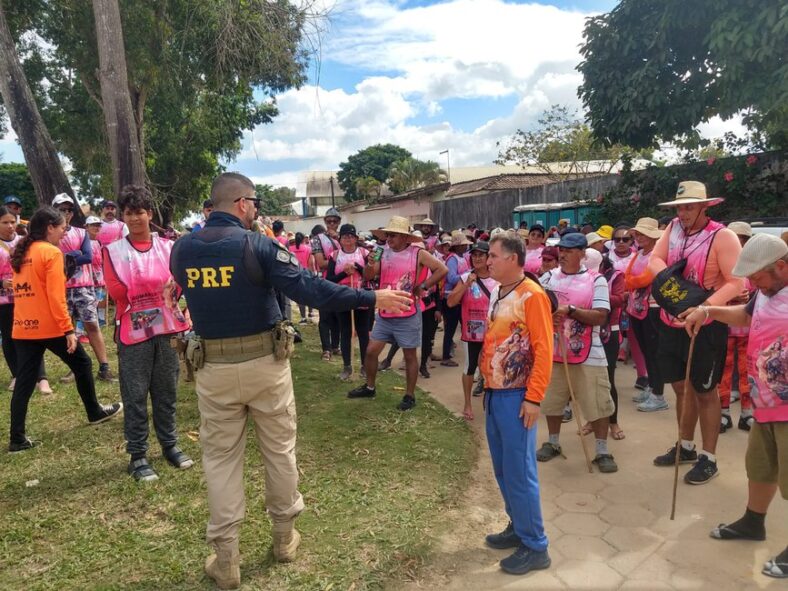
<point>39,150</point>
<point>124,147</point>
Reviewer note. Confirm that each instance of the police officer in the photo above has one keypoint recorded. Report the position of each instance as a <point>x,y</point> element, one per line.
<point>229,275</point>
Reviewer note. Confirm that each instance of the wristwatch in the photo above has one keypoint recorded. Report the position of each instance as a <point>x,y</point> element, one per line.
<point>572,310</point>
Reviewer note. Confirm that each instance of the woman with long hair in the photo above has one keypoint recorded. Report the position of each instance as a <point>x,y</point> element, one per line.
<point>137,274</point>
<point>8,241</point>
<point>42,322</point>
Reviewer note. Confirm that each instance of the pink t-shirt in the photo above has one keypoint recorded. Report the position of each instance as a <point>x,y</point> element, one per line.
<point>302,253</point>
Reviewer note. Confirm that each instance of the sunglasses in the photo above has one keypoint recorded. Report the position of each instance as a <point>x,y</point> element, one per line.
<point>255,200</point>
<point>622,239</point>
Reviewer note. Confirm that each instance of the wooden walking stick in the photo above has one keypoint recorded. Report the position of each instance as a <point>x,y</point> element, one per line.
<point>575,406</point>
<point>688,391</point>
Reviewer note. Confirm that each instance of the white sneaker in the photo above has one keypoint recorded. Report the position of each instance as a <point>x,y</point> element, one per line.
<point>643,395</point>
<point>653,403</point>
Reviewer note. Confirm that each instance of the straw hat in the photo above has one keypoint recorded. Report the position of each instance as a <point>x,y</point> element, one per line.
<point>523,233</point>
<point>397,225</point>
<point>425,222</point>
<point>606,232</point>
<point>593,238</point>
<point>648,227</point>
<point>760,251</point>
<point>690,192</point>
<point>741,229</point>
<point>459,239</point>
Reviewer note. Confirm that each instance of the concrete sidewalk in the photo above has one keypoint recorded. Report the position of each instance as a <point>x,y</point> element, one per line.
<point>609,531</point>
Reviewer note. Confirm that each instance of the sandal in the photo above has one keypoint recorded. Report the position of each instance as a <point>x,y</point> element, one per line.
<point>467,414</point>
<point>727,532</point>
<point>141,471</point>
<point>617,433</point>
<point>587,429</point>
<point>449,363</point>
<point>775,568</point>
<point>178,459</point>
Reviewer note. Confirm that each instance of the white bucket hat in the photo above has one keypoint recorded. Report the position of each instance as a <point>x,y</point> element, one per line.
<point>593,238</point>
<point>760,251</point>
<point>691,192</point>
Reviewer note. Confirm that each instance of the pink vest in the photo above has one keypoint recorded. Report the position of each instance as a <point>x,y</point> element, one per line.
<point>302,253</point>
<point>110,232</point>
<point>638,303</point>
<point>462,267</point>
<point>767,357</point>
<point>98,270</point>
<point>578,290</point>
<point>430,241</point>
<point>696,250</point>
<point>6,272</point>
<point>474,308</point>
<point>342,258</point>
<point>282,240</point>
<point>329,246</point>
<point>533,260</point>
<point>398,271</point>
<point>150,312</point>
<point>71,241</point>
<point>743,331</point>
<point>620,263</point>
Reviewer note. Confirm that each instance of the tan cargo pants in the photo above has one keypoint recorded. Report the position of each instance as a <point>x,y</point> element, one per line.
<point>227,393</point>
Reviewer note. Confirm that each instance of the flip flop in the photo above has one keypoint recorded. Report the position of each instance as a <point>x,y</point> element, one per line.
<point>617,435</point>
<point>773,568</point>
<point>726,532</point>
<point>467,415</point>
<point>587,429</point>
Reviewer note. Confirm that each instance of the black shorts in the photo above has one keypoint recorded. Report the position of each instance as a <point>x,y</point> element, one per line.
<point>708,359</point>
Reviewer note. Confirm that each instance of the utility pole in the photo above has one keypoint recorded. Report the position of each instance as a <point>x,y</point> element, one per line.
<point>331,182</point>
<point>448,165</point>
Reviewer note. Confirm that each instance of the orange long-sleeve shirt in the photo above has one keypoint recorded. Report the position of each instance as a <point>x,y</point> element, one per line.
<point>518,344</point>
<point>724,252</point>
<point>40,310</point>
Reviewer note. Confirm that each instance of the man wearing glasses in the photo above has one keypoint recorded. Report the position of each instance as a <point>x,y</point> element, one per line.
<point>80,293</point>
<point>112,228</point>
<point>324,246</point>
<point>228,275</point>
<point>516,364</point>
<point>584,305</point>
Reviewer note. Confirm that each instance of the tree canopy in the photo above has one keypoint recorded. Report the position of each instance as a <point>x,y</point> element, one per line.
<point>654,69</point>
<point>374,161</point>
<point>560,137</point>
<point>199,74</point>
<point>274,202</point>
<point>15,180</point>
<point>411,173</point>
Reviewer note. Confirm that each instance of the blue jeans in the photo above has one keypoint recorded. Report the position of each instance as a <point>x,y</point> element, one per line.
<point>513,453</point>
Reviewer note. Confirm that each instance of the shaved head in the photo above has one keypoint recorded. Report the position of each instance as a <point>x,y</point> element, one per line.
<point>227,188</point>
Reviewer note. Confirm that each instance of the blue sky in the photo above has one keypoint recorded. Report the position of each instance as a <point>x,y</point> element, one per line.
<point>426,75</point>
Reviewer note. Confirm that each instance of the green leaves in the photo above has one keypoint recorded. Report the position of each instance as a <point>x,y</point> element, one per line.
<point>654,69</point>
<point>374,161</point>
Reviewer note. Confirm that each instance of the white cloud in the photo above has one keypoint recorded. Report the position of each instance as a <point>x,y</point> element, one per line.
<point>460,49</point>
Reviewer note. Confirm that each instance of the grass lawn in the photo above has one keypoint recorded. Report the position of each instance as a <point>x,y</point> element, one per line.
<point>376,483</point>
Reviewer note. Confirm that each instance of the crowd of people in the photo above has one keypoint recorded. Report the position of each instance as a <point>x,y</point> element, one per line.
<point>543,314</point>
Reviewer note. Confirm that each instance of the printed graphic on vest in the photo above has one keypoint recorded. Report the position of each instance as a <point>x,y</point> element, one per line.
<point>772,367</point>
<point>144,321</point>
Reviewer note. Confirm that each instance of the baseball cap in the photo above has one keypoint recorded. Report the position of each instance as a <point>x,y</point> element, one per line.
<point>12,199</point>
<point>207,203</point>
<point>550,251</point>
<point>92,220</point>
<point>760,251</point>
<point>605,232</point>
<point>346,229</point>
<point>482,246</point>
<point>573,240</point>
<point>61,198</point>
<point>108,203</point>
<point>740,228</point>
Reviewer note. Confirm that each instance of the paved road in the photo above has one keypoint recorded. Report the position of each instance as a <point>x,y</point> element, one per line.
<point>609,531</point>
